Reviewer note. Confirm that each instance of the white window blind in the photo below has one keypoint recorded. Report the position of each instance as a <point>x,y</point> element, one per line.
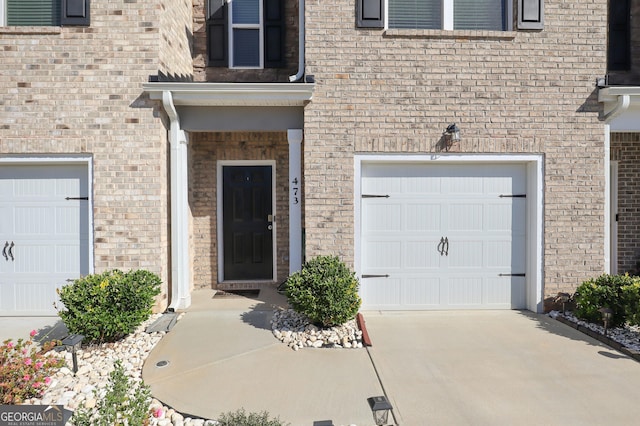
<point>246,33</point>
<point>423,14</point>
<point>478,15</point>
<point>33,12</point>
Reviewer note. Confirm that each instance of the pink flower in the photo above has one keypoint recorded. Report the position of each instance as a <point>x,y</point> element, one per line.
<point>39,365</point>
<point>157,413</point>
<point>24,352</point>
<point>10,345</point>
<point>47,380</point>
<point>27,361</point>
<point>33,333</point>
<point>37,384</point>
<point>26,378</point>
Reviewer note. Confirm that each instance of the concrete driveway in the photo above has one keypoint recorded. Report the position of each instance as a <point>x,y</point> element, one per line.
<point>499,368</point>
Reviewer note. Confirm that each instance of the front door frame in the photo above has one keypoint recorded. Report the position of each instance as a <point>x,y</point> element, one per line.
<point>219,213</point>
<point>535,202</point>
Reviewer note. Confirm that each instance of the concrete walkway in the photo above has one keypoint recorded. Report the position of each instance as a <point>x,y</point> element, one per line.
<point>437,368</point>
<point>222,357</point>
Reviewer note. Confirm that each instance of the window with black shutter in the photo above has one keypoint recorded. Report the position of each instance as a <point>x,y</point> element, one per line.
<point>44,12</point>
<point>245,33</point>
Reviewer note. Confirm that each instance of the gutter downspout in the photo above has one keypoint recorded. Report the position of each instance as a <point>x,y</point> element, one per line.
<point>301,31</point>
<point>180,296</point>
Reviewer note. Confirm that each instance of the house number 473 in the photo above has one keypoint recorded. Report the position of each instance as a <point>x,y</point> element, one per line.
<point>294,191</point>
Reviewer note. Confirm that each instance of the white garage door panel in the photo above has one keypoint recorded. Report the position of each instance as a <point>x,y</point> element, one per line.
<point>50,234</point>
<point>401,236</point>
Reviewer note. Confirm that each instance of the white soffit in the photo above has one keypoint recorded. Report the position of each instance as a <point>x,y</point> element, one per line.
<point>233,94</point>
<point>621,107</point>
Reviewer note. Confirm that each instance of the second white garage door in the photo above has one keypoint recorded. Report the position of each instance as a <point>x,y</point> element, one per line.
<point>44,234</point>
<point>443,236</point>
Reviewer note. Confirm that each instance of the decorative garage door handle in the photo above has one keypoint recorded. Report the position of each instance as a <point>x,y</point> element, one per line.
<point>4,250</point>
<point>11,251</point>
<point>443,246</point>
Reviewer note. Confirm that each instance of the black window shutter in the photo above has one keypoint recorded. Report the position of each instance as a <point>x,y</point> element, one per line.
<point>75,12</point>
<point>273,33</point>
<point>370,13</point>
<point>217,44</point>
<point>619,44</point>
<point>530,14</point>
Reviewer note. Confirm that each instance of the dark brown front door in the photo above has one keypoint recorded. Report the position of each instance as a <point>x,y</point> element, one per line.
<point>247,226</point>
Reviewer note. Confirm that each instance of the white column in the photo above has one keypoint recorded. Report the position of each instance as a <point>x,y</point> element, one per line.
<point>180,269</point>
<point>295,199</point>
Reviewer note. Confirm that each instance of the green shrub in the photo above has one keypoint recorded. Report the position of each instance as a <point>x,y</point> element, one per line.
<point>105,307</point>
<point>631,301</point>
<point>604,291</point>
<point>122,404</point>
<point>241,418</point>
<point>325,290</point>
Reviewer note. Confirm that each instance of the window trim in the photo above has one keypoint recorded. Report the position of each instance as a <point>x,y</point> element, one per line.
<point>259,26</point>
<point>3,13</point>
<point>448,17</point>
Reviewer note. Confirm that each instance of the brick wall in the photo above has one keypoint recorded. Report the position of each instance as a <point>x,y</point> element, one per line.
<point>176,34</point>
<point>625,149</point>
<point>205,150</point>
<point>512,92</point>
<point>79,90</point>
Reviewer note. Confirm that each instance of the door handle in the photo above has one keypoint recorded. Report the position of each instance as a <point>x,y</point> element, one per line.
<point>445,247</point>
<point>11,251</point>
<point>4,250</point>
<point>441,246</point>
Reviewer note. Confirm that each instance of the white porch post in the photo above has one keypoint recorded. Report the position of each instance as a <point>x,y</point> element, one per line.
<point>295,199</point>
<point>180,276</point>
<point>607,200</point>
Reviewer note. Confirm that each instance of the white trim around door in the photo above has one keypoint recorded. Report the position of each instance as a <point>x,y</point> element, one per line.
<point>219,212</point>
<point>534,166</point>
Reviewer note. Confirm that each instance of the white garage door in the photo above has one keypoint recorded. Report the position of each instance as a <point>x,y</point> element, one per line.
<point>443,236</point>
<point>44,240</point>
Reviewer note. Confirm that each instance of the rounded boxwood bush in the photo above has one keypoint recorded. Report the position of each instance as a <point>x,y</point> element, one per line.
<point>325,290</point>
<point>603,291</point>
<point>106,307</point>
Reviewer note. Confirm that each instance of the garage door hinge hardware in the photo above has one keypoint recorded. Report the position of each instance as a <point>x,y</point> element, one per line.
<point>511,275</point>
<point>76,198</point>
<point>513,196</point>
<point>375,276</point>
<point>374,196</point>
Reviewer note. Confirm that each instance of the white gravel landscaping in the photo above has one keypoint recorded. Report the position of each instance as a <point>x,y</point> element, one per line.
<point>94,365</point>
<point>628,336</point>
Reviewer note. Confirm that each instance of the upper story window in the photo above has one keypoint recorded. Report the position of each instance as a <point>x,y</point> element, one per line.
<point>245,33</point>
<point>44,12</point>
<point>448,14</point>
<point>473,15</point>
<point>619,40</point>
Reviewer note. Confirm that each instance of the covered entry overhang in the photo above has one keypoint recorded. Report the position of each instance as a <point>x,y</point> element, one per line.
<point>621,113</point>
<point>220,107</point>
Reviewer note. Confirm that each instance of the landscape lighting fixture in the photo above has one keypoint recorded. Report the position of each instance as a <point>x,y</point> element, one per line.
<point>380,407</point>
<point>607,316</point>
<point>72,342</point>
<point>564,298</point>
